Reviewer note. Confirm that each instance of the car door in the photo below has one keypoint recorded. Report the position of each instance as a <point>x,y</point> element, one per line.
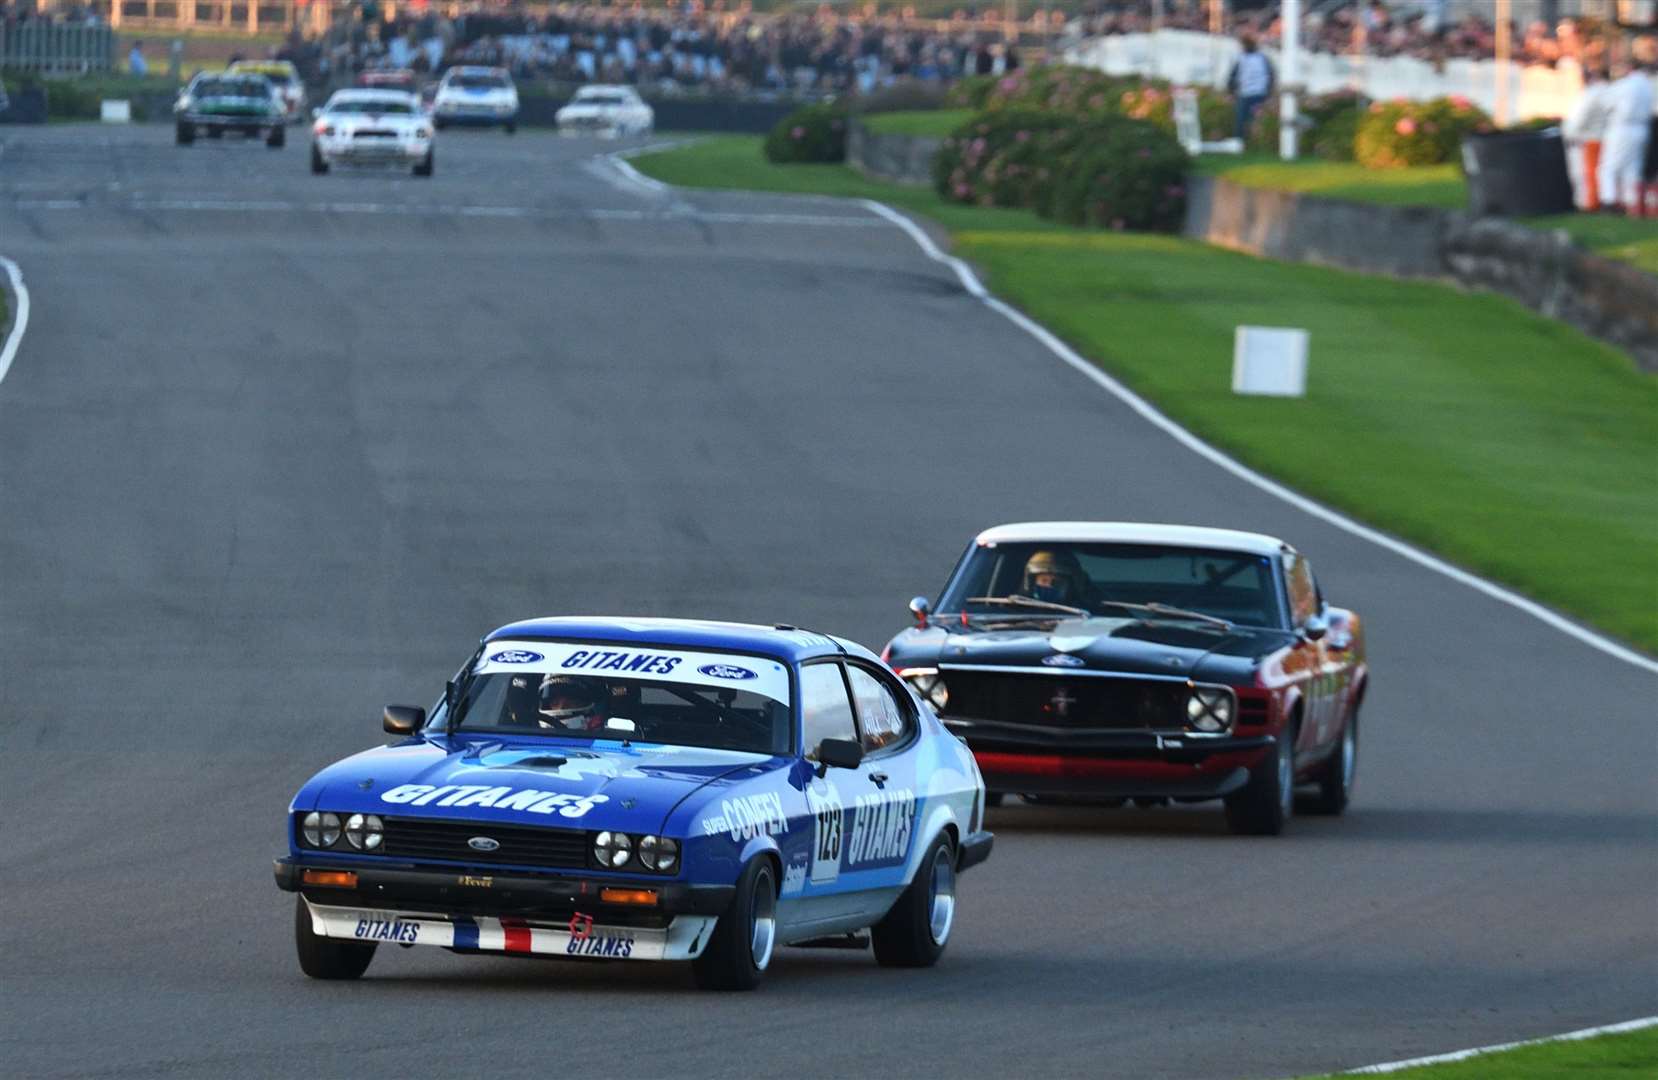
<point>882,827</point>
<point>1305,663</point>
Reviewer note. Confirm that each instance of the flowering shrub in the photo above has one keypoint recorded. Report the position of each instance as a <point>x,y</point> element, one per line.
<point>812,133</point>
<point>1396,134</point>
<point>1093,94</point>
<point>1104,170</point>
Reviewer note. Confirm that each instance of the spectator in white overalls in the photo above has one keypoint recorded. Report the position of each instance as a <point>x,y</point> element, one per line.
<point>1627,128</point>
<point>1584,130</point>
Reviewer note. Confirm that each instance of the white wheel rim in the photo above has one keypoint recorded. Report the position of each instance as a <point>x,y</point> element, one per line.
<point>941,896</point>
<point>1349,757</point>
<point>1286,775</point>
<point>763,927</point>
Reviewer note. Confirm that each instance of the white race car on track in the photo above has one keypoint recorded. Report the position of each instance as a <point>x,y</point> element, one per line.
<point>372,127</point>
<point>606,110</point>
<point>476,95</point>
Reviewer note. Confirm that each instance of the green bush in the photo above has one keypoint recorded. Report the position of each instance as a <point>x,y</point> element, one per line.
<point>1398,134</point>
<point>80,97</point>
<point>812,133</point>
<point>1103,170</point>
<point>1329,122</point>
<point>1091,93</point>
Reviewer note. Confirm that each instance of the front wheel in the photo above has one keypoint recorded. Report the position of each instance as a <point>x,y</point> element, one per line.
<point>1335,777</point>
<point>915,931</point>
<point>184,134</point>
<point>1264,804</point>
<point>319,164</point>
<point>423,167</point>
<point>277,139</point>
<point>509,127</point>
<point>325,958</point>
<point>740,949</point>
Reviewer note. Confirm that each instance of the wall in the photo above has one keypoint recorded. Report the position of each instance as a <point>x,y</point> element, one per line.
<point>1543,270</point>
<point>904,159</point>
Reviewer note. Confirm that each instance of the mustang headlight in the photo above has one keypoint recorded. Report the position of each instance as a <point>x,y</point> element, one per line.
<point>929,684</point>
<point>659,853</point>
<point>1209,709</point>
<point>364,831</point>
<point>612,849</point>
<point>320,830</point>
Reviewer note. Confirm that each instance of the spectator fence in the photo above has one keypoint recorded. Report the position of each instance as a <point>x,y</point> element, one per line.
<point>56,48</point>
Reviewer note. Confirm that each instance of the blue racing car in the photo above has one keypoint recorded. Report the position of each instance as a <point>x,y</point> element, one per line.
<point>643,789</point>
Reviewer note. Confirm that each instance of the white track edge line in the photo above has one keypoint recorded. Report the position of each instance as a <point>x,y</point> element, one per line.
<point>1464,1055</point>
<point>1146,410</point>
<point>20,317</point>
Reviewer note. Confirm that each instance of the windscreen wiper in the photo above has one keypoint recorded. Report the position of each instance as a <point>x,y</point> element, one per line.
<point>1029,602</point>
<point>1169,611</point>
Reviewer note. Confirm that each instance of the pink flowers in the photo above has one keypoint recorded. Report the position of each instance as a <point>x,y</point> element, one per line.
<point>1021,136</point>
<point>797,133</point>
<point>1009,84</point>
<point>1406,126</point>
<point>1461,103</point>
<point>963,191</point>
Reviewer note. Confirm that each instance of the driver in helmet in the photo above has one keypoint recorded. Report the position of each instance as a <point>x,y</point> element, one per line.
<point>1055,577</point>
<point>572,702</point>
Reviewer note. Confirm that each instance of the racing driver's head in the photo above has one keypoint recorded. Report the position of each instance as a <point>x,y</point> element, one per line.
<point>571,702</point>
<point>1054,576</point>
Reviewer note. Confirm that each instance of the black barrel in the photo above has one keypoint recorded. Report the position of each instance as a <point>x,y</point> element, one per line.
<point>1517,173</point>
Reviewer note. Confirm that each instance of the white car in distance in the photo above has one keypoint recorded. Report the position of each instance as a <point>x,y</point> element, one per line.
<point>606,110</point>
<point>482,96</point>
<point>372,127</point>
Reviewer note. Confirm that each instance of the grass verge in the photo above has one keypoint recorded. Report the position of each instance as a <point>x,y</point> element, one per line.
<point>1624,1056</point>
<point>934,122</point>
<point>1506,441</point>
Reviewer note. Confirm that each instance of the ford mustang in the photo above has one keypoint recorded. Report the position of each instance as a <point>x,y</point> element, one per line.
<point>1104,662</point>
<point>643,789</point>
<point>215,104</point>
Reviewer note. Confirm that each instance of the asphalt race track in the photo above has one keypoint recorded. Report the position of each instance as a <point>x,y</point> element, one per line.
<point>278,448</point>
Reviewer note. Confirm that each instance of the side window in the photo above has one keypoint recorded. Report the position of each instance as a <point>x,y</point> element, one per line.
<point>1303,592</point>
<point>825,710</point>
<point>882,721</point>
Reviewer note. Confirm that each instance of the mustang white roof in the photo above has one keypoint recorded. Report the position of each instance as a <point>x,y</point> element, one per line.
<point>1132,532</point>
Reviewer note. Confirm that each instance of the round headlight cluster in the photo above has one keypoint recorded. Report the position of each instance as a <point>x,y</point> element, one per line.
<point>1209,708</point>
<point>364,831</point>
<point>614,850</point>
<point>929,684</point>
<point>320,830</point>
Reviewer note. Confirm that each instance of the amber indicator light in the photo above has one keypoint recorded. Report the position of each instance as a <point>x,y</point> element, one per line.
<point>342,879</point>
<point>627,896</point>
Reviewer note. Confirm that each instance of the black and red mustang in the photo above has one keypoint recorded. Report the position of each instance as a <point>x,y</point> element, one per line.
<point>1102,661</point>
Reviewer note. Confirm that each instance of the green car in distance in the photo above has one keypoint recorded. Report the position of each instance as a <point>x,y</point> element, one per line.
<point>215,104</point>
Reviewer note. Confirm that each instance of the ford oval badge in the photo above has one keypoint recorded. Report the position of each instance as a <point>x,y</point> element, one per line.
<point>727,671</point>
<point>1062,660</point>
<point>515,656</point>
<point>483,843</point>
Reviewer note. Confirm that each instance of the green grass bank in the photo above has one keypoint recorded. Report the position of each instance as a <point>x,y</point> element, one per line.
<point>1624,1056</point>
<point>1506,441</point>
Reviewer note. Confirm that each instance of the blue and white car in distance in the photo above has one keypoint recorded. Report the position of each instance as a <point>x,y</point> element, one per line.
<point>644,789</point>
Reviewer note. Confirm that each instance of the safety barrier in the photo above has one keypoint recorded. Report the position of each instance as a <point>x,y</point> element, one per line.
<point>56,48</point>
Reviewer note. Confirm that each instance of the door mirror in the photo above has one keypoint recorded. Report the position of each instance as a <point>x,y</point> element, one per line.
<point>403,719</point>
<point>316,111</point>
<point>921,607</point>
<point>839,754</point>
<point>1315,627</point>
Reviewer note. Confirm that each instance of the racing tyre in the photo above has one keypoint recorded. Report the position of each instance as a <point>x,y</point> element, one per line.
<point>325,958</point>
<point>994,798</point>
<point>184,134</point>
<point>915,931</point>
<point>1335,776</point>
<point>1264,804</point>
<point>424,166</point>
<point>509,127</point>
<point>741,948</point>
<point>278,138</point>
<point>318,165</point>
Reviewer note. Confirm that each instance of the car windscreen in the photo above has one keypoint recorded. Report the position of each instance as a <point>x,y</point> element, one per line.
<point>252,88</point>
<point>1097,578</point>
<point>479,82</point>
<point>601,99</point>
<point>373,107</point>
<point>277,78</point>
<point>621,693</point>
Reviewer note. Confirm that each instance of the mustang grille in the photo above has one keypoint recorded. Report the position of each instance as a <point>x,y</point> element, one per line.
<point>520,845</point>
<point>1126,703</point>
<point>375,133</point>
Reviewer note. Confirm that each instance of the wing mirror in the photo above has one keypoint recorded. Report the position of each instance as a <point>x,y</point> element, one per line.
<point>839,754</point>
<point>921,608</point>
<point>1315,627</point>
<point>316,111</point>
<point>403,719</point>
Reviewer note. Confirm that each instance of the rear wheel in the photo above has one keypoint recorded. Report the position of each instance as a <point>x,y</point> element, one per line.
<point>740,949</point>
<point>318,164</point>
<point>278,138</point>
<point>509,127</point>
<point>1335,777</point>
<point>325,958</point>
<point>423,167</point>
<point>1264,804</point>
<point>184,134</point>
<point>915,931</point>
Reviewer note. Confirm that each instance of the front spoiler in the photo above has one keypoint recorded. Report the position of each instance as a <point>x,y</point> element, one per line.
<point>581,936</point>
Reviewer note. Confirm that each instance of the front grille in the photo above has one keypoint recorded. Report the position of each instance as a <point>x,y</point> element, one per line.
<point>1126,704</point>
<point>521,845</point>
<point>375,133</point>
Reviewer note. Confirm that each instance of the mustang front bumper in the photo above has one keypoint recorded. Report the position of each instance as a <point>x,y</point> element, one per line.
<point>372,151</point>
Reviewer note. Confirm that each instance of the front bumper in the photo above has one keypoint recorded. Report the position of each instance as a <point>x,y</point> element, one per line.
<point>373,151</point>
<point>1115,764</point>
<point>232,123</point>
<point>480,116</point>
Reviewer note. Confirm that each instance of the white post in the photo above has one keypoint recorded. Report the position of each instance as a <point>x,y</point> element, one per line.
<point>1504,46</point>
<point>1289,77</point>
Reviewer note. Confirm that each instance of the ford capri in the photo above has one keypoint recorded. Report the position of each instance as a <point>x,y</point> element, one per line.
<point>643,789</point>
<point>1109,662</point>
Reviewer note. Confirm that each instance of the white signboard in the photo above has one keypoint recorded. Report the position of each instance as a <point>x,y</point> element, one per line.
<point>115,112</point>
<point>1269,360</point>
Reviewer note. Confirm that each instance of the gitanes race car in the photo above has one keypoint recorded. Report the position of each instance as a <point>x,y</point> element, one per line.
<point>1107,661</point>
<point>643,789</point>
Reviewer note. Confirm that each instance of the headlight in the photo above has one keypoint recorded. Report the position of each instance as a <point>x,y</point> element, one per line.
<point>321,830</point>
<point>1209,709</point>
<point>929,684</point>
<point>659,853</point>
<point>423,133</point>
<point>364,831</point>
<point>612,849</point>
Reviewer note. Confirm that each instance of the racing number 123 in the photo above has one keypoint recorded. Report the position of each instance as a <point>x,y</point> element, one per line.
<point>829,834</point>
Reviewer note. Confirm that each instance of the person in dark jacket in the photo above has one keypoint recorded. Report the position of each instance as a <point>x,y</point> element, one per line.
<point>1251,84</point>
